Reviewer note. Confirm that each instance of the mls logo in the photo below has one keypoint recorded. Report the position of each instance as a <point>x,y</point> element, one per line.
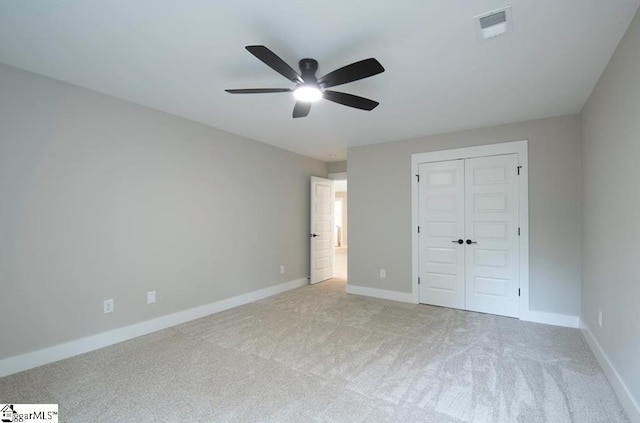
<point>6,413</point>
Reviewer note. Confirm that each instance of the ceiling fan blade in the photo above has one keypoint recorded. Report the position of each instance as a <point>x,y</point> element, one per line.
<point>353,72</point>
<point>259,90</point>
<point>301,109</point>
<point>350,100</point>
<point>274,62</point>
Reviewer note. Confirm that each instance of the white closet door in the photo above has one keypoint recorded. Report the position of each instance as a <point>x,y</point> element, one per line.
<point>441,217</point>
<point>491,223</point>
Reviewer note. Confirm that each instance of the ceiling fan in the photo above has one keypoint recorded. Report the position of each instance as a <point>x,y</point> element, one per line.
<point>310,88</point>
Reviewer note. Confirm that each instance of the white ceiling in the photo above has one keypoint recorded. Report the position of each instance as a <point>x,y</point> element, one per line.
<point>179,56</point>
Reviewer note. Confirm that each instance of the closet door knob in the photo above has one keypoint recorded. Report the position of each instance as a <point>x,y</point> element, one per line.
<point>458,241</point>
<point>469,242</point>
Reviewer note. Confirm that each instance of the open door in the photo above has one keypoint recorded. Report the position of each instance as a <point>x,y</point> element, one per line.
<point>321,229</point>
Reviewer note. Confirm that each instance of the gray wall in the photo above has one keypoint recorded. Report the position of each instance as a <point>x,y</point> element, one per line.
<point>337,167</point>
<point>100,198</point>
<point>380,208</point>
<point>611,198</point>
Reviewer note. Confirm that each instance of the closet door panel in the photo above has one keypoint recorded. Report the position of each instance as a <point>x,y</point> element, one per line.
<point>441,217</point>
<point>491,228</point>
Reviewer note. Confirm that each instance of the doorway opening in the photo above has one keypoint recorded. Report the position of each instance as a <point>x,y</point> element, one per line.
<point>341,226</point>
<point>328,234</point>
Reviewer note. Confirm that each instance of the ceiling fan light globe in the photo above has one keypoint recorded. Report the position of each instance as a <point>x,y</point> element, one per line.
<point>307,93</point>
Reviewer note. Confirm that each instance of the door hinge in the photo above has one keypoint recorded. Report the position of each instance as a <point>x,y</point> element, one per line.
<point>418,281</point>
<point>519,167</point>
<point>518,292</point>
<point>418,229</point>
<point>418,178</point>
<point>518,231</point>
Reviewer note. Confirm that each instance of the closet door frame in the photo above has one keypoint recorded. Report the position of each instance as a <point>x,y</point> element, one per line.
<point>515,147</point>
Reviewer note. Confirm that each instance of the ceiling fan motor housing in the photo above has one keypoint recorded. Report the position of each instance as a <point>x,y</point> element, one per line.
<point>308,68</point>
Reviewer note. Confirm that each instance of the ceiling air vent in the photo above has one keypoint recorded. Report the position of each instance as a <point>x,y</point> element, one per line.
<point>492,24</point>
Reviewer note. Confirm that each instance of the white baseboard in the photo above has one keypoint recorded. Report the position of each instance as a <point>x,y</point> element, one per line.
<point>48,355</point>
<point>629,403</point>
<point>405,297</point>
<point>554,319</point>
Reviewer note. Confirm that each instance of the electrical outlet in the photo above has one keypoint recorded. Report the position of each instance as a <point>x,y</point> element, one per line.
<point>282,269</point>
<point>383,273</point>
<point>107,306</point>
<point>151,297</point>
<point>600,318</point>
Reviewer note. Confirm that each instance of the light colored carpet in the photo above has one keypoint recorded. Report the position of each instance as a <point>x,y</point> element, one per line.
<point>315,354</point>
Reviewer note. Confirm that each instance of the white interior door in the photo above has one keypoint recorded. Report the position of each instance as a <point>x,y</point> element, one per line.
<point>321,230</point>
<point>474,200</point>
<point>491,223</point>
<point>441,217</point>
